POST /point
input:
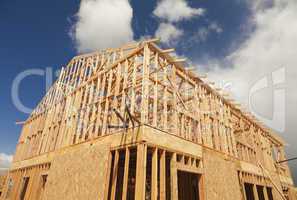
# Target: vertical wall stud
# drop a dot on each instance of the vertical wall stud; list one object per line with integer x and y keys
{"x": 115, "y": 175}
{"x": 163, "y": 175}
{"x": 141, "y": 172}
{"x": 154, "y": 188}
{"x": 126, "y": 174}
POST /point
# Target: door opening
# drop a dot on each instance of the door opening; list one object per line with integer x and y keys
{"x": 260, "y": 192}
{"x": 188, "y": 186}
{"x": 249, "y": 191}
{"x": 24, "y": 188}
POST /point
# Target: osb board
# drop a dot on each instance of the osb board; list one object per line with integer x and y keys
{"x": 2, "y": 181}
{"x": 78, "y": 174}
{"x": 277, "y": 187}
{"x": 44, "y": 158}
{"x": 221, "y": 178}
{"x": 121, "y": 138}
{"x": 251, "y": 168}
{"x": 76, "y": 159}
{"x": 117, "y": 139}
{"x": 293, "y": 193}
{"x": 2, "y": 185}
{"x": 286, "y": 180}
{"x": 166, "y": 140}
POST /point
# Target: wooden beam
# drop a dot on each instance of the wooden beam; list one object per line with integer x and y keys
{"x": 201, "y": 188}
{"x": 20, "y": 122}
{"x": 145, "y": 85}
{"x": 173, "y": 174}
{"x": 255, "y": 192}
{"x": 107, "y": 103}
{"x": 265, "y": 192}
{"x": 141, "y": 172}
{"x": 115, "y": 175}
{"x": 163, "y": 175}
{"x": 155, "y": 105}
{"x": 107, "y": 175}
{"x": 178, "y": 60}
{"x": 167, "y": 50}
{"x": 154, "y": 188}
{"x": 202, "y": 76}
{"x": 126, "y": 174}
{"x": 175, "y": 114}
{"x": 153, "y": 40}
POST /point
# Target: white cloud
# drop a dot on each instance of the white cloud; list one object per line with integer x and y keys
{"x": 214, "y": 26}
{"x": 270, "y": 49}
{"x": 176, "y": 10}
{"x": 172, "y": 12}
{"x": 168, "y": 32}
{"x": 102, "y": 24}
{"x": 201, "y": 35}
{"x": 5, "y": 160}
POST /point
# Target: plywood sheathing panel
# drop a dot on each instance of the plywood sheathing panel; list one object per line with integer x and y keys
{"x": 161, "y": 138}
{"x": 286, "y": 180}
{"x": 2, "y": 183}
{"x": 220, "y": 177}
{"x": 251, "y": 168}
{"x": 78, "y": 174}
{"x": 277, "y": 185}
{"x": 15, "y": 180}
{"x": 118, "y": 139}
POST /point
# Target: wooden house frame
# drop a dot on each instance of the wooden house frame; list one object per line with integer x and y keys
{"x": 137, "y": 123}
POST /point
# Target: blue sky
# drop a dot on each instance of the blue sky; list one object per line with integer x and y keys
{"x": 35, "y": 34}
{"x": 239, "y": 42}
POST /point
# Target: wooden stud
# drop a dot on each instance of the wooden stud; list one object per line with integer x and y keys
{"x": 108, "y": 180}
{"x": 173, "y": 174}
{"x": 255, "y": 192}
{"x": 145, "y": 85}
{"x": 163, "y": 175}
{"x": 126, "y": 174}
{"x": 155, "y": 106}
{"x": 154, "y": 181}
{"x": 115, "y": 175}
{"x": 106, "y": 111}
{"x": 141, "y": 172}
